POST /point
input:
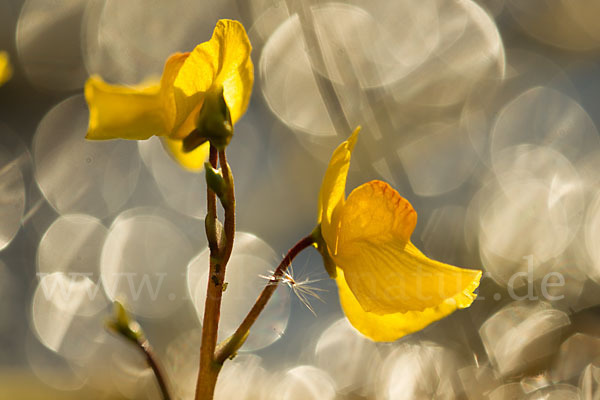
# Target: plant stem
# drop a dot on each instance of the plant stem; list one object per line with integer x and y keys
{"x": 123, "y": 325}
{"x": 211, "y": 357}
{"x": 237, "y": 339}
{"x": 151, "y": 359}
{"x": 220, "y": 253}
{"x": 209, "y": 370}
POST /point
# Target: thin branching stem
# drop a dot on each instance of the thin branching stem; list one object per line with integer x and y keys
{"x": 242, "y": 331}
{"x": 153, "y": 362}
{"x": 211, "y": 357}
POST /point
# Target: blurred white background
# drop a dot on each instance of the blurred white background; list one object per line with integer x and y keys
{"x": 483, "y": 114}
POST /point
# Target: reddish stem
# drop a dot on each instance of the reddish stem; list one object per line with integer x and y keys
{"x": 236, "y": 340}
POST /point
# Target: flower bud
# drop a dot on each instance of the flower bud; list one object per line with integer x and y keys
{"x": 123, "y": 325}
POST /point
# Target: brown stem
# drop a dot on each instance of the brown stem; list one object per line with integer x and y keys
{"x": 151, "y": 359}
{"x": 219, "y": 256}
{"x": 209, "y": 370}
{"x": 237, "y": 339}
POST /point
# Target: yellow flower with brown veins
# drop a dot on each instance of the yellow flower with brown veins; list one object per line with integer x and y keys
{"x": 216, "y": 77}
{"x": 5, "y": 68}
{"x": 387, "y": 287}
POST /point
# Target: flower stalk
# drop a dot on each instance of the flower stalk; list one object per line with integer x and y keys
{"x": 235, "y": 341}
{"x": 221, "y": 245}
{"x": 220, "y": 242}
{"x": 153, "y": 362}
{"x": 209, "y": 370}
{"x": 130, "y": 330}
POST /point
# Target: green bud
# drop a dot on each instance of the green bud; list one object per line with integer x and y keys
{"x": 123, "y": 325}
{"x": 214, "y": 180}
{"x": 213, "y": 123}
{"x": 324, "y": 251}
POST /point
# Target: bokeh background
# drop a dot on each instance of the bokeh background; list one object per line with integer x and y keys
{"x": 483, "y": 114}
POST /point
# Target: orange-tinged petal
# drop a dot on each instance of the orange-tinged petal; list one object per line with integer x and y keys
{"x": 193, "y": 160}
{"x": 384, "y": 270}
{"x": 390, "y": 327}
{"x": 124, "y": 112}
{"x": 333, "y": 189}
{"x": 223, "y": 61}
{"x": 375, "y": 210}
{"x": 5, "y": 68}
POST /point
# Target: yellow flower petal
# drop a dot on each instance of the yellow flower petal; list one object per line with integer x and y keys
{"x": 390, "y": 327}
{"x": 375, "y": 211}
{"x": 224, "y": 61}
{"x": 333, "y": 189}
{"x": 5, "y": 68}
{"x": 124, "y": 112}
{"x": 167, "y": 91}
{"x": 193, "y": 160}
{"x": 383, "y": 269}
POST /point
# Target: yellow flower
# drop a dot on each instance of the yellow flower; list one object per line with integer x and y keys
{"x": 5, "y": 68}
{"x": 170, "y": 108}
{"x": 387, "y": 287}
